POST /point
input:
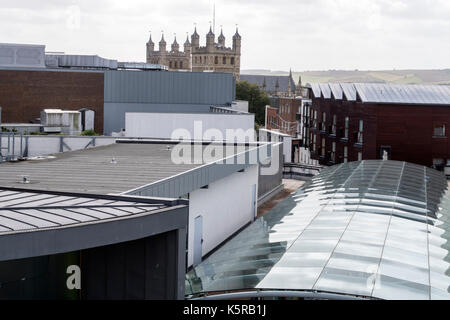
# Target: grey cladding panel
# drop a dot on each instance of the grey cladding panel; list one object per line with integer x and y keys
{"x": 168, "y": 87}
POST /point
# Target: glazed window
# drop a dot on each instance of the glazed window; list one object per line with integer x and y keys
{"x": 439, "y": 130}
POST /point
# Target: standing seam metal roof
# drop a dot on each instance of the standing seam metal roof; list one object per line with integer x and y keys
{"x": 385, "y": 93}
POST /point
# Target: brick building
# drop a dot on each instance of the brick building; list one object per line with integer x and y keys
{"x": 282, "y": 115}
{"x": 351, "y": 122}
{"x": 25, "y": 93}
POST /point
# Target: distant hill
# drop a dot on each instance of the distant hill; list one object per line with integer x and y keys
{"x": 388, "y": 76}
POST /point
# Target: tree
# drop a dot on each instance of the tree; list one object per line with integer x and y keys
{"x": 257, "y": 100}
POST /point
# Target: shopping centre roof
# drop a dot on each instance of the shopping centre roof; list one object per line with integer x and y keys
{"x": 371, "y": 229}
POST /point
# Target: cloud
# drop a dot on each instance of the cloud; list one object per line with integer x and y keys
{"x": 304, "y": 35}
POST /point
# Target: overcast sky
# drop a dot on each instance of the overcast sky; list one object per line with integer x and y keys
{"x": 276, "y": 34}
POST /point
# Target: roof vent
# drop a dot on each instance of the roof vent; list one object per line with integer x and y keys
{"x": 24, "y": 179}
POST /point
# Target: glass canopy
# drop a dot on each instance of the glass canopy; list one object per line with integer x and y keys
{"x": 375, "y": 229}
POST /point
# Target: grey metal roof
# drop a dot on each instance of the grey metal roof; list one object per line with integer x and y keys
{"x": 377, "y": 229}
{"x": 325, "y": 89}
{"x": 145, "y": 169}
{"x": 317, "y": 92}
{"x": 386, "y": 93}
{"x": 271, "y": 81}
{"x": 337, "y": 91}
{"x": 35, "y": 223}
{"x": 27, "y": 211}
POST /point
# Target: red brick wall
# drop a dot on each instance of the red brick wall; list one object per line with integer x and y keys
{"x": 23, "y": 94}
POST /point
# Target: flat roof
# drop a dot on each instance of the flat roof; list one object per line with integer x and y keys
{"x": 112, "y": 169}
{"x": 371, "y": 229}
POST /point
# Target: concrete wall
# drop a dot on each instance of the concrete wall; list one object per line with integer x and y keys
{"x": 45, "y": 145}
{"x": 163, "y": 125}
{"x": 226, "y": 207}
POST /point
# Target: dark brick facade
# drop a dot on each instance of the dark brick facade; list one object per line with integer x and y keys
{"x": 24, "y": 94}
{"x": 405, "y": 131}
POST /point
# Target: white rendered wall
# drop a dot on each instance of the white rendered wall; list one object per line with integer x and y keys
{"x": 240, "y": 105}
{"x": 162, "y": 125}
{"x": 278, "y": 137}
{"x": 226, "y": 206}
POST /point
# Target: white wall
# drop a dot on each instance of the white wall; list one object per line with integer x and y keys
{"x": 278, "y": 137}
{"x": 162, "y": 125}
{"x": 226, "y": 206}
{"x": 240, "y": 105}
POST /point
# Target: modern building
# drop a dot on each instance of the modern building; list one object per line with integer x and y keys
{"x": 220, "y": 124}
{"x": 361, "y": 230}
{"x": 64, "y": 245}
{"x": 221, "y": 182}
{"x": 356, "y": 121}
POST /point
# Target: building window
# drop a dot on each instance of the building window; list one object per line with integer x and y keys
{"x": 176, "y": 64}
{"x": 333, "y": 127}
{"x": 232, "y": 60}
{"x": 224, "y": 60}
{"x": 360, "y": 156}
{"x": 216, "y": 60}
{"x": 323, "y": 125}
{"x": 315, "y": 120}
{"x": 347, "y": 122}
{"x": 170, "y": 64}
{"x": 345, "y": 154}
{"x": 314, "y": 143}
{"x": 181, "y": 64}
{"x": 439, "y": 130}
{"x": 333, "y": 152}
{"x": 322, "y": 149}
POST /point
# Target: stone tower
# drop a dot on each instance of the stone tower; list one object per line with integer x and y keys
{"x": 216, "y": 57}
{"x": 174, "y": 59}
{"x": 213, "y": 57}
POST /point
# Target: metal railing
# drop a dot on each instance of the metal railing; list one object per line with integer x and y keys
{"x": 8, "y": 150}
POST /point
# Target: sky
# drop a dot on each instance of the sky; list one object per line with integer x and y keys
{"x": 304, "y": 35}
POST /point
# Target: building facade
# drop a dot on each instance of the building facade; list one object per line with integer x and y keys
{"x": 352, "y": 122}
{"x": 213, "y": 57}
{"x": 216, "y": 57}
{"x": 174, "y": 59}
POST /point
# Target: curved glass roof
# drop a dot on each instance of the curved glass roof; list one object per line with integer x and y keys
{"x": 375, "y": 229}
